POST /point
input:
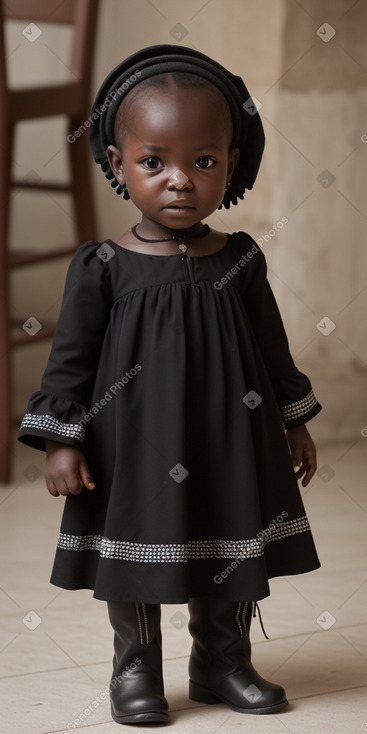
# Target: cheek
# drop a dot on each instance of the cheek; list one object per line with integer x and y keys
{"x": 214, "y": 183}
{"x": 134, "y": 175}
{"x": 143, "y": 190}
{"x": 146, "y": 185}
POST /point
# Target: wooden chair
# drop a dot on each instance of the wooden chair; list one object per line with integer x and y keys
{"x": 72, "y": 99}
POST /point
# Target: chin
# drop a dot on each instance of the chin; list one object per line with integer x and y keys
{"x": 179, "y": 221}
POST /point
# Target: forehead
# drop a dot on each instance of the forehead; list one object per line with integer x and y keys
{"x": 176, "y": 111}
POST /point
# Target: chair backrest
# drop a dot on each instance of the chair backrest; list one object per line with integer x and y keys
{"x": 51, "y": 11}
{"x": 81, "y": 14}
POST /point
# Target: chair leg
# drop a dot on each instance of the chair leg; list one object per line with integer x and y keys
{"x": 5, "y": 385}
{"x": 80, "y": 165}
{"x": 5, "y": 346}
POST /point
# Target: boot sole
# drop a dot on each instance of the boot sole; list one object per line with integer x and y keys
{"x": 137, "y": 718}
{"x": 205, "y": 695}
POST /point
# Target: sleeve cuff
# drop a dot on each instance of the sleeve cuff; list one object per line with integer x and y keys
{"x": 301, "y": 411}
{"x": 53, "y": 418}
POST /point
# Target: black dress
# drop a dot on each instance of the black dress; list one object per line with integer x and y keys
{"x": 172, "y": 374}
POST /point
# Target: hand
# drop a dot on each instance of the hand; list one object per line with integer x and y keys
{"x": 66, "y": 470}
{"x": 303, "y": 453}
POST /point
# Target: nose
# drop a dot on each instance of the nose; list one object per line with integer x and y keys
{"x": 178, "y": 180}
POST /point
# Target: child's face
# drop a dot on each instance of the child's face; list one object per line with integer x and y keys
{"x": 175, "y": 148}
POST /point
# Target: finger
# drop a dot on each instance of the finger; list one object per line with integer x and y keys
{"x": 296, "y": 454}
{"x": 77, "y": 490}
{"x": 86, "y": 476}
{"x": 310, "y": 471}
{"x": 63, "y": 488}
{"x": 311, "y": 462}
{"x": 300, "y": 471}
{"x": 51, "y": 486}
{"x": 298, "y": 465}
{"x": 75, "y": 484}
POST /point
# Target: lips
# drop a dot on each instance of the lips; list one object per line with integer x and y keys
{"x": 178, "y": 205}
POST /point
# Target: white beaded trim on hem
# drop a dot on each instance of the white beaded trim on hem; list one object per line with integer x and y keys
{"x": 182, "y": 552}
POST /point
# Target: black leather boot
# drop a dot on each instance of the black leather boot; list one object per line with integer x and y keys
{"x": 136, "y": 688}
{"x": 220, "y": 666}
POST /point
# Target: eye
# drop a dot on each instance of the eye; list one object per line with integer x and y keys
{"x": 152, "y": 162}
{"x": 205, "y": 161}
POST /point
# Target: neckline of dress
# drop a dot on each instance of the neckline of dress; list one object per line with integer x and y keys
{"x": 176, "y": 254}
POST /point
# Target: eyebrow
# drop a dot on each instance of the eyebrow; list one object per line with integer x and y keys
{"x": 152, "y": 147}
{"x": 161, "y": 148}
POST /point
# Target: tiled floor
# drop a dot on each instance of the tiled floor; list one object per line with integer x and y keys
{"x": 56, "y": 646}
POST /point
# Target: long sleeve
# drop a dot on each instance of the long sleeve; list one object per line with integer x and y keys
{"x": 292, "y": 388}
{"x": 56, "y": 411}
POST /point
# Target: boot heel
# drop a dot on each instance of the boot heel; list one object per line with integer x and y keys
{"x": 201, "y": 694}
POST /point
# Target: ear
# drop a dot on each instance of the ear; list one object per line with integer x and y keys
{"x": 232, "y": 161}
{"x": 115, "y": 161}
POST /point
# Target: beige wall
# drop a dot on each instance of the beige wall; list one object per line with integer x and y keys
{"x": 320, "y": 262}
{"x": 314, "y": 113}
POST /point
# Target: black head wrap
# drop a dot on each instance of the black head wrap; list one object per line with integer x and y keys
{"x": 248, "y": 133}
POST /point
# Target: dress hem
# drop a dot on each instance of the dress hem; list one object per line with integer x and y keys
{"x": 183, "y": 599}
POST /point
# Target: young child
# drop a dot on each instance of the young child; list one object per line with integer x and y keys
{"x": 171, "y": 410}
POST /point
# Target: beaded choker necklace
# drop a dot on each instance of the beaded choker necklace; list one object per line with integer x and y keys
{"x": 180, "y": 239}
